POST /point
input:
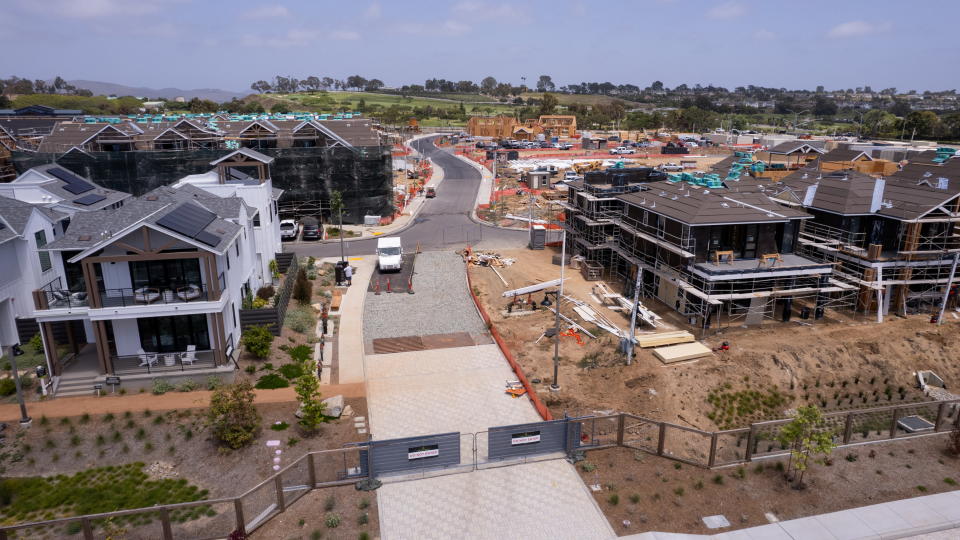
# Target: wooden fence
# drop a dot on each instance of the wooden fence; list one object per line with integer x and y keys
{"x": 272, "y": 317}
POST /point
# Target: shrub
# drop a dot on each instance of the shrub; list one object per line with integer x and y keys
{"x": 300, "y": 353}
{"x": 302, "y": 288}
{"x": 950, "y": 481}
{"x": 279, "y": 426}
{"x": 7, "y": 387}
{"x": 613, "y": 499}
{"x": 364, "y": 503}
{"x": 266, "y": 293}
{"x": 635, "y": 498}
{"x": 188, "y": 385}
{"x": 214, "y": 382}
{"x": 251, "y": 369}
{"x": 330, "y": 503}
{"x": 271, "y": 381}
{"x": 332, "y": 521}
{"x": 232, "y": 417}
{"x": 300, "y": 319}
{"x": 36, "y": 344}
{"x": 291, "y": 371}
{"x": 586, "y": 466}
{"x": 257, "y": 340}
{"x": 363, "y": 519}
{"x": 718, "y": 479}
{"x": 161, "y": 386}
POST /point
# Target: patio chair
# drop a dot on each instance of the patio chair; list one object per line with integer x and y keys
{"x": 190, "y": 356}
{"x": 190, "y": 292}
{"x": 146, "y": 295}
{"x": 147, "y": 359}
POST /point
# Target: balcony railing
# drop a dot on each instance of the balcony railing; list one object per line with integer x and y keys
{"x": 162, "y": 362}
{"x": 149, "y": 295}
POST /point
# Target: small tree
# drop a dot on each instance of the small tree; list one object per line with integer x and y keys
{"x": 806, "y": 436}
{"x": 274, "y": 269}
{"x": 308, "y": 392}
{"x": 232, "y": 416}
{"x": 303, "y": 288}
{"x": 257, "y": 340}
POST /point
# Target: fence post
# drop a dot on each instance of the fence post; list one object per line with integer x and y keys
{"x": 713, "y": 450}
{"x": 893, "y": 422}
{"x": 620, "y": 423}
{"x": 662, "y": 438}
{"x": 165, "y": 523}
{"x": 278, "y": 483}
{"x": 311, "y": 471}
{"x": 848, "y": 428}
{"x": 941, "y": 412}
{"x": 238, "y": 510}
{"x": 748, "y": 455}
{"x": 87, "y": 529}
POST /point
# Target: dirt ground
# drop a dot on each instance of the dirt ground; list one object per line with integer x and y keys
{"x": 177, "y": 441}
{"x": 643, "y": 492}
{"x": 838, "y": 363}
{"x": 306, "y": 519}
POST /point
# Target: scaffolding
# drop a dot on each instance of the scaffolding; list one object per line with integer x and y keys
{"x": 603, "y": 234}
{"x": 913, "y": 277}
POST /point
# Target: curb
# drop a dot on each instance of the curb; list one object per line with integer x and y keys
{"x": 473, "y": 213}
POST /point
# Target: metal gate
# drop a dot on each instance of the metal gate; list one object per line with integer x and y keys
{"x": 521, "y": 440}
{"x": 411, "y": 453}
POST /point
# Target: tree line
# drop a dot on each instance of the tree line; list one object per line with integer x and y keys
{"x": 290, "y": 84}
{"x": 21, "y": 86}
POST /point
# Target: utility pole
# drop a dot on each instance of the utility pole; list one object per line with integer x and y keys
{"x": 25, "y": 420}
{"x": 946, "y": 291}
{"x": 633, "y": 315}
{"x": 555, "y": 386}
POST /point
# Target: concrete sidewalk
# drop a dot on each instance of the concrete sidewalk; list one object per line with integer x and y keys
{"x": 350, "y": 331}
{"x": 907, "y": 518}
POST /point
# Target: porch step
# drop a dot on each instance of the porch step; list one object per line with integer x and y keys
{"x": 283, "y": 261}
{"x": 79, "y": 386}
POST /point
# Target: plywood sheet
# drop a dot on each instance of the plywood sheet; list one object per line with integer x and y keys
{"x": 663, "y": 339}
{"x": 679, "y": 353}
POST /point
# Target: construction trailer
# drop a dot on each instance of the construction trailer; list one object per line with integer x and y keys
{"x": 896, "y": 238}
{"x": 717, "y": 256}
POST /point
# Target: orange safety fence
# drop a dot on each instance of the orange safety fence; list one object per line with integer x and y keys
{"x": 534, "y": 399}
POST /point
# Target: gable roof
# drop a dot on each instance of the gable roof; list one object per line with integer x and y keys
{"x": 805, "y": 146}
{"x": 56, "y": 187}
{"x": 248, "y": 152}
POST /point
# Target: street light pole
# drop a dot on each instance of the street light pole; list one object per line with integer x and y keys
{"x": 556, "y": 322}
{"x": 25, "y": 420}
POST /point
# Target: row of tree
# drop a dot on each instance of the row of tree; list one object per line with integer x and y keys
{"x": 18, "y": 85}
{"x": 290, "y": 85}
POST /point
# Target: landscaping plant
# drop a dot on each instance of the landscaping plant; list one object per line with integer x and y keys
{"x": 806, "y": 435}
{"x": 308, "y": 393}
{"x": 232, "y": 417}
{"x": 257, "y": 340}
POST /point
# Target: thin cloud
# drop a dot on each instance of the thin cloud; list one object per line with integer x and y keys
{"x": 454, "y": 28}
{"x": 727, "y": 10}
{"x": 95, "y": 9}
{"x": 274, "y": 11}
{"x": 763, "y": 33}
{"x": 345, "y": 35}
{"x": 858, "y": 29}
{"x": 373, "y": 11}
{"x": 487, "y": 10}
{"x": 295, "y": 37}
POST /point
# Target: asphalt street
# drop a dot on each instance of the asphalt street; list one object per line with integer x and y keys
{"x": 443, "y": 223}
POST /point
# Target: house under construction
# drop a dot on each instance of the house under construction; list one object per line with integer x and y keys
{"x": 896, "y": 238}
{"x": 719, "y": 253}
{"x": 313, "y": 157}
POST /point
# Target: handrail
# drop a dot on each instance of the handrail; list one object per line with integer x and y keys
{"x": 204, "y": 362}
{"x": 150, "y": 294}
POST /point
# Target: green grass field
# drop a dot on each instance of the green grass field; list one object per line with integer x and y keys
{"x": 329, "y": 101}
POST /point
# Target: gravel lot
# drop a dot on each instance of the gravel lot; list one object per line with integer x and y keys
{"x": 441, "y": 305}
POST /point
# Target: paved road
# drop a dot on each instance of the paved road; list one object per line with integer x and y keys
{"x": 444, "y": 221}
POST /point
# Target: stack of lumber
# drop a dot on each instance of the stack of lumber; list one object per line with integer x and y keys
{"x": 680, "y": 353}
{"x": 661, "y": 339}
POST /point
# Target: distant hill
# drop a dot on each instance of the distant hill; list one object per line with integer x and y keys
{"x": 106, "y": 89}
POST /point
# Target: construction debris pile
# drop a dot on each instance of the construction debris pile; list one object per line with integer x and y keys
{"x": 487, "y": 258}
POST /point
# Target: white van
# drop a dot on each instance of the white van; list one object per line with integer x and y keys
{"x": 389, "y": 254}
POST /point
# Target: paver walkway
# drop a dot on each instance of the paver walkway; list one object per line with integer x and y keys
{"x": 461, "y": 389}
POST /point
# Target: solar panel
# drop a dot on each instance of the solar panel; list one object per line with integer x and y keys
{"x": 187, "y": 219}
{"x": 74, "y": 184}
{"x": 209, "y": 239}
{"x": 87, "y": 200}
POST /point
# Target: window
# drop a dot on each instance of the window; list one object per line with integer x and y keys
{"x": 256, "y": 219}
{"x": 165, "y": 274}
{"x": 238, "y": 248}
{"x": 228, "y": 260}
{"x": 173, "y": 334}
{"x": 41, "y": 238}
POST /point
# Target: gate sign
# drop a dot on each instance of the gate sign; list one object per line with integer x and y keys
{"x": 526, "y": 437}
{"x": 421, "y": 452}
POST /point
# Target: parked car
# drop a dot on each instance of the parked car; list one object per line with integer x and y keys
{"x": 311, "y": 229}
{"x": 288, "y": 229}
{"x": 671, "y": 167}
{"x": 546, "y": 144}
{"x": 562, "y": 146}
{"x": 620, "y": 150}
{"x": 431, "y": 192}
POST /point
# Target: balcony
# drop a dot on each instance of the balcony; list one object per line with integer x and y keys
{"x": 52, "y": 296}
{"x": 163, "y": 363}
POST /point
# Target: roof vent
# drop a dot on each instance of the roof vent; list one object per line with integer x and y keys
{"x": 819, "y": 177}
{"x": 151, "y": 197}
{"x": 943, "y": 183}
{"x": 84, "y": 238}
{"x": 673, "y": 198}
{"x": 769, "y": 214}
{"x": 927, "y": 174}
{"x": 221, "y": 231}
{"x": 663, "y": 193}
{"x": 725, "y": 205}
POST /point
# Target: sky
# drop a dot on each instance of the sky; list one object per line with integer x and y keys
{"x": 228, "y": 44}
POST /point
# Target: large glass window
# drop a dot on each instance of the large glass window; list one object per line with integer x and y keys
{"x": 168, "y": 274}
{"x": 173, "y": 334}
